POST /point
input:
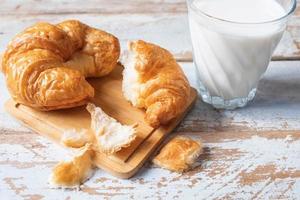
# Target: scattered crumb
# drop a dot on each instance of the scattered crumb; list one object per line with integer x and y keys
{"x": 110, "y": 135}
{"x": 75, "y": 139}
{"x": 179, "y": 154}
{"x": 70, "y": 174}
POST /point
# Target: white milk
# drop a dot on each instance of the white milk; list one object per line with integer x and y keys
{"x": 231, "y": 57}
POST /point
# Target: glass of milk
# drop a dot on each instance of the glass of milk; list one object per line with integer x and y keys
{"x": 233, "y": 41}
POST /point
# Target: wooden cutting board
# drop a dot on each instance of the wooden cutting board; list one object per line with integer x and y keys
{"x": 108, "y": 95}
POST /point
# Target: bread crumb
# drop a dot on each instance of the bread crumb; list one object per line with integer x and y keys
{"x": 179, "y": 154}
{"x": 110, "y": 135}
{"x": 70, "y": 174}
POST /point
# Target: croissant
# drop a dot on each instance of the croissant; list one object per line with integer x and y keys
{"x": 153, "y": 80}
{"x": 46, "y": 65}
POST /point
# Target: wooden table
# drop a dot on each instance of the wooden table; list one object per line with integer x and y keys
{"x": 250, "y": 153}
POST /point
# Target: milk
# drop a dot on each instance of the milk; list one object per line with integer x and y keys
{"x": 243, "y": 11}
{"x": 232, "y": 46}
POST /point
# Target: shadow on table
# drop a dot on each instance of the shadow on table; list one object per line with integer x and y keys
{"x": 277, "y": 101}
{"x": 272, "y": 92}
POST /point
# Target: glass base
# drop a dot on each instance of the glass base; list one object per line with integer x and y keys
{"x": 220, "y": 103}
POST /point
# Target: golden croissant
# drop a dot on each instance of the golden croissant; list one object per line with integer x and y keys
{"x": 46, "y": 65}
{"x": 153, "y": 80}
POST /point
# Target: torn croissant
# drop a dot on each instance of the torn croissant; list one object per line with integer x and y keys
{"x": 110, "y": 135}
{"x": 179, "y": 154}
{"x": 152, "y": 79}
{"x": 73, "y": 173}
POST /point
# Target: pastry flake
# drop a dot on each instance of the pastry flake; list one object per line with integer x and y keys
{"x": 152, "y": 79}
{"x": 179, "y": 154}
{"x": 110, "y": 135}
{"x": 68, "y": 174}
{"x": 75, "y": 139}
{"x": 46, "y": 65}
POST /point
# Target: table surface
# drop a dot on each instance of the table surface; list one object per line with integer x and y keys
{"x": 250, "y": 153}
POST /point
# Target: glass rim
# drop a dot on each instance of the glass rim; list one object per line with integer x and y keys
{"x": 198, "y": 11}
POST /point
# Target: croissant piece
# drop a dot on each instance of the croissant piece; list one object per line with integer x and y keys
{"x": 75, "y": 138}
{"x": 69, "y": 174}
{"x": 46, "y": 65}
{"x": 179, "y": 154}
{"x": 111, "y": 136}
{"x": 152, "y": 79}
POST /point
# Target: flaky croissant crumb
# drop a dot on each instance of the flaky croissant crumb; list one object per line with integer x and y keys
{"x": 75, "y": 139}
{"x": 110, "y": 135}
{"x": 179, "y": 154}
{"x": 69, "y": 174}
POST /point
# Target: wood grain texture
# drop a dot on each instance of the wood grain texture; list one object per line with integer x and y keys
{"x": 250, "y": 153}
{"x": 108, "y": 95}
{"x": 91, "y": 6}
{"x": 275, "y": 107}
{"x": 150, "y": 27}
{"x": 21, "y": 7}
{"x": 235, "y": 165}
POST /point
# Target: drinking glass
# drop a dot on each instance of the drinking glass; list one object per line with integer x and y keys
{"x": 230, "y": 57}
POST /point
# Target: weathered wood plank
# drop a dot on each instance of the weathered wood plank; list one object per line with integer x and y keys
{"x": 243, "y": 160}
{"x": 168, "y": 30}
{"x": 276, "y": 106}
{"x": 17, "y": 7}
{"x": 125, "y": 27}
{"x": 90, "y": 6}
{"x": 264, "y": 165}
